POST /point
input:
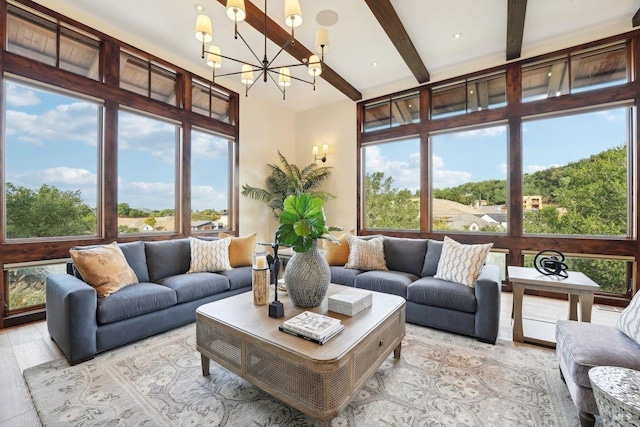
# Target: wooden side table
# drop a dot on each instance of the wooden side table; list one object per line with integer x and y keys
{"x": 617, "y": 393}
{"x": 578, "y": 286}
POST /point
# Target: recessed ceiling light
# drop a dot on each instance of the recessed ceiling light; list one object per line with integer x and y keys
{"x": 457, "y": 36}
{"x": 374, "y": 64}
{"x": 199, "y": 7}
{"x": 327, "y": 18}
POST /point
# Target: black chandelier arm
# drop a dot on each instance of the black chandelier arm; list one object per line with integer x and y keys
{"x": 259, "y": 67}
{"x": 249, "y": 47}
{"x": 276, "y": 71}
{"x": 300, "y": 64}
{"x": 235, "y": 73}
{"x": 284, "y": 46}
{"x": 277, "y": 85}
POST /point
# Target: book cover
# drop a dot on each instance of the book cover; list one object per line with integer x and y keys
{"x": 317, "y": 341}
{"x": 312, "y": 325}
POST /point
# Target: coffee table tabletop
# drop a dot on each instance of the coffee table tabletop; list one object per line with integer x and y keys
{"x": 319, "y": 380}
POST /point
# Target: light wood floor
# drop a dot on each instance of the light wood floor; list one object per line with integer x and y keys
{"x": 26, "y": 346}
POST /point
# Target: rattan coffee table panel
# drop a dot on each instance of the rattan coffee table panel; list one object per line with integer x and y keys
{"x": 219, "y": 341}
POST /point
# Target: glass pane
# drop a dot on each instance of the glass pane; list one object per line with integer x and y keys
{"x": 377, "y": 116}
{"x": 220, "y": 107}
{"x": 499, "y": 259}
{"x": 163, "y": 85}
{"x": 210, "y": 196}
{"x": 26, "y": 285}
{"x": 392, "y": 185}
{"x": 200, "y": 99}
{"x": 31, "y": 36}
{"x": 405, "y": 110}
{"x": 598, "y": 69}
{"x": 134, "y": 74}
{"x": 468, "y": 172}
{"x": 79, "y": 54}
{"x": 448, "y": 101}
{"x": 51, "y": 158}
{"x": 146, "y": 174}
{"x": 546, "y": 80}
{"x": 575, "y": 174}
{"x": 487, "y": 92}
{"x": 610, "y": 274}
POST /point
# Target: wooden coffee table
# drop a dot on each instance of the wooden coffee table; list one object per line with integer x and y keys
{"x": 319, "y": 380}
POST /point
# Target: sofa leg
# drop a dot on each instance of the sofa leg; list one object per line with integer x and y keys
{"x": 587, "y": 419}
{"x": 487, "y": 341}
{"x": 562, "y": 376}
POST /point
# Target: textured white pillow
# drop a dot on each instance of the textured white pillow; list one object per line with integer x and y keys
{"x": 366, "y": 254}
{"x": 461, "y": 263}
{"x": 629, "y": 320}
{"x": 209, "y": 255}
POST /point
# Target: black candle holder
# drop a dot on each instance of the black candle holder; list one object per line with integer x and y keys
{"x": 276, "y": 308}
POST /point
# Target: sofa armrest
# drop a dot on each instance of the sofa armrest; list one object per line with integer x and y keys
{"x": 71, "y": 316}
{"x": 488, "y": 288}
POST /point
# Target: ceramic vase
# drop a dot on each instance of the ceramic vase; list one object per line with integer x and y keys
{"x": 307, "y": 277}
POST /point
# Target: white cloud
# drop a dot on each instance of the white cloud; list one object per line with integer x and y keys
{"x": 406, "y": 174}
{"x": 147, "y": 195}
{"x": 19, "y": 96}
{"x": 437, "y": 162}
{"x": 206, "y": 197}
{"x": 502, "y": 167}
{"x": 205, "y": 146}
{"x": 139, "y": 133}
{"x": 482, "y": 133}
{"x": 447, "y": 178}
{"x": 612, "y": 117}
{"x": 61, "y": 177}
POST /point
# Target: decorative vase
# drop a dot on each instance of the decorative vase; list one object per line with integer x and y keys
{"x": 307, "y": 277}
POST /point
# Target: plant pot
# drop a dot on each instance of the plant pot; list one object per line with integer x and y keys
{"x": 307, "y": 277}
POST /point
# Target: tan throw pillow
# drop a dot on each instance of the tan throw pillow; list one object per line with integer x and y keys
{"x": 209, "y": 255}
{"x": 337, "y": 254}
{"x": 241, "y": 249}
{"x": 104, "y": 268}
{"x": 366, "y": 254}
{"x": 461, "y": 263}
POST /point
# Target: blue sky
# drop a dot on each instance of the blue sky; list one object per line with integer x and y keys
{"x": 53, "y": 139}
{"x": 481, "y": 154}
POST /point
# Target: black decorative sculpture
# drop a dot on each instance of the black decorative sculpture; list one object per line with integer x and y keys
{"x": 276, "y": 309}
{"x": 551, "y": 263}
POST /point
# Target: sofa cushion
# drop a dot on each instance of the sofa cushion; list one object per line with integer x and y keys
{"x": 136, "y": 258}
{"x": 629, "y": 320}
{"x": 209, "y": 256}
{"x": 104, "y": 268}
{"x": 389, "y": 282}
{"x": 366, "y": 254}
{"x": 461, "y": 263}
{"x": 405, "y": 254}
{"x": 239, "y": 277}
{"x": 431, "y": 259}
{"x": 344, "y": 276}
{"x": 337, "y": 253}
{"x": 442, "y": 293}
{"x": 167, "y": 258}
{"x": 193, "y": 286}
{"x": 133, "y": 301}
{"x": 241, "y": 249}
{"x": 584, "y": 345}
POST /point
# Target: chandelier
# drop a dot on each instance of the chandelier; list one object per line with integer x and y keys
{"x": 293, "y": 18}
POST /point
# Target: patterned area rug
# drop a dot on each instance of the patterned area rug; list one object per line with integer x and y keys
{"x": 441, "y": 380}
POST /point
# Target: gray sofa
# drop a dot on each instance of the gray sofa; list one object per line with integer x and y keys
{"x": 412, "y": 263}
{"x": 579, "y": 347}
{"x": 166, "y": 297}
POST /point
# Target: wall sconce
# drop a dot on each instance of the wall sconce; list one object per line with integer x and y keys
{"x": 325, "y": 150}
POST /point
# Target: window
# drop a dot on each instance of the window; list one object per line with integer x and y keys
{"x": 477, "y": 94}
{"x": 575, "y": 174}
{"x": 146, "y": 78}
{"x": 210, "y": 102}
{"x": 392, "y": 185}
{"x": 50, "y": 167}
{"x": 36, "y": 37}
{"x": 392, "y": 112}
{"x": 26, "y": 285}
{"x": 210, "y": 190}
{"x": 468, "y": 176}
{"x": 146, "y": 195}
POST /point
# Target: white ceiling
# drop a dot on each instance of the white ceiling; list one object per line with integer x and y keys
{"x": 165, "y": 28}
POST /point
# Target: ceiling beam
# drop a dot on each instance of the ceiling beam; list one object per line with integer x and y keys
{"x": 636, "y": 19}
{"x": 279, "y": 36}
{"x": 516, "y": 10}
{"x": 388, "y": 18}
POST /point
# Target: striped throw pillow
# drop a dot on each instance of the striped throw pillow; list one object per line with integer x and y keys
{"x": 461, "y": 263}
{"x": 629, "y": 320}
{"x": 209, "y": 255}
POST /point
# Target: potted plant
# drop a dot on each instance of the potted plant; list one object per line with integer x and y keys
{"x": 302, "y": 223}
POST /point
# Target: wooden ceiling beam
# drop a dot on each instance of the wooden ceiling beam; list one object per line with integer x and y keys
{"x": 279, "y": 36}
{"x": 516, "y": 11}
{"x": 388, "y": 18}
{"x": 635, "y": 21}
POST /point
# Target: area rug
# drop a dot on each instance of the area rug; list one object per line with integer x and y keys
{"x": 441, "y": 380}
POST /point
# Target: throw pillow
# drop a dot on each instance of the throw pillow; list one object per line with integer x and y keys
{"x": 337, "y": 254}
{"x": 366, "y": 254}
{"x": 209, "y": 255}
{"x": 461, "y": 263}
{"x": 629, "y": 320}
{"x": 241, "y": 249}
{"x": 104, "y": 268}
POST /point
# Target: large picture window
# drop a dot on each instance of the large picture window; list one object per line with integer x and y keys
{"x": 392, "y": 185}
{"x": 146, "y": 195}
{"x": 576, "y": 174}
{"x": 469, "y": 180}
{"x": 50, "y": 164}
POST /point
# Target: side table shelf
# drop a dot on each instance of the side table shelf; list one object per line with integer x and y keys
{"x": 617, "y": 393}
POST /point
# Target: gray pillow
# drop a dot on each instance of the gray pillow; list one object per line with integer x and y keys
{"x": 167, "y": 258}
{"x": 405, "y": 254}
{"x": 434, "y": 250}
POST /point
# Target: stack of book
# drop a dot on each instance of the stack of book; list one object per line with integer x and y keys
{"x": 312, "y": 327}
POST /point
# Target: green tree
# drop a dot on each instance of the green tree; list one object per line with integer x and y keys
{"x": 47, "y": 212}
{"x": 123, "y": 210}
{"x": 150, "y": 221}
{"x": 387, "y": 207}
